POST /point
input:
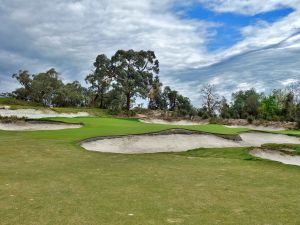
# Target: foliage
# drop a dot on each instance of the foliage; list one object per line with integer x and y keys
{"x": 133, "y": 73}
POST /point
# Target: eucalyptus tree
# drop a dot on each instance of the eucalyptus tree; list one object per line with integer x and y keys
{"x": 100, "y": 78}
{"x": 133, "y": 73}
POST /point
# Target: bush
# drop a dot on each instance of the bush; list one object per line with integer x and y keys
{"x": 250, "y": 119}
{"x": 215, "y": 120}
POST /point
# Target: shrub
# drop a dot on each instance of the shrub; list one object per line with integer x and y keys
{"x": 250, "y": 119}
{"x": 215, "y": 120}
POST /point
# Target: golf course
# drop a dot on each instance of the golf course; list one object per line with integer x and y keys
{"x": 48, "y": 178}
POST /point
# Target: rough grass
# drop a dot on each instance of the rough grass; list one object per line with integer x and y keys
{"x": 46, "y": 178}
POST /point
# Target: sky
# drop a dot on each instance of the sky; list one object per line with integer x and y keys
{"x": 233, "y": 44}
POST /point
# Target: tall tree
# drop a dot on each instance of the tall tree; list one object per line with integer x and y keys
{"x": 210, "y": 99}
{"x": 133, "y": 72}
{"x": 100, "y": 78}
{"x": 45, "y": 86}
{"x": 25, "y": 80}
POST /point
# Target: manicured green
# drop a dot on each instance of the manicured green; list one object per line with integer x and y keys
{"x": 47, "y": 178}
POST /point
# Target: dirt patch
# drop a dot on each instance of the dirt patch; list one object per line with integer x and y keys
{"x": 36, "y": 125}
{"x": 35, "y": 114}
{"x": 173, "y": 122}
{"x": 276, "y": 156}
{"x": 177, "y": 140}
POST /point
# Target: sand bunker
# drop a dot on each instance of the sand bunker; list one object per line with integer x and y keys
{"x": 157, "y": 143}
{"x": 259, "y": 138}
{"x": 276, "y": 156}
{"x": 177, "y": 142}
{"x": 36, "y": 125}
{"x": 174, "y": 122}
{"x": 253, "y": 127}
{"x": 35, "y": 114}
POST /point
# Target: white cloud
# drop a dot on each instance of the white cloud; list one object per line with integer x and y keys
{"x": 287, "y": 81}
{"x": 248, "y": 7}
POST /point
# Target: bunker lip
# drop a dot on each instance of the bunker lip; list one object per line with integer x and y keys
{"x": 35, "y": 125}
{"x": 284, "y": 157}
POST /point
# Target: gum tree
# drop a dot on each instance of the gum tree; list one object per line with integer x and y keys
{"x": 133, "y": 73}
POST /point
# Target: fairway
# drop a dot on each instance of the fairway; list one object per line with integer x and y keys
{"x": 47, "y": 178}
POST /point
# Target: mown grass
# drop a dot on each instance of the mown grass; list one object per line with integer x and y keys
{"x": 47, "y": 178}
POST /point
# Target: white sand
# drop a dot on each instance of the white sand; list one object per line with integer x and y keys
{"x": 35, "y": 114}
{"x": 258, "y": 139}
{"x": 253, "y": 127}
{"x": 179, "y": 122}
{"x": 276, "y": 156}
{"x": 28, "y": 126}
{"x": 158, "y": 143}
{"x": 181, "y": 142}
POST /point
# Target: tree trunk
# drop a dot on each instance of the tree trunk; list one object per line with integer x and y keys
{"x": 128, "y": 101}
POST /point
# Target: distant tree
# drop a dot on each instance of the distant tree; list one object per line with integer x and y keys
{"x": 71, "y": 94}
{"x": 45, "y": 86}
{"x": 40, "y": 88}
{"x": 184, "y": 106}
{"x": 297, "y": 116}
{"x": 245, "y": 103}
{"x": 155, "y": 94}
{"x": 25, "y": 80}
{"x": 288, "y": 109}
{"x": 133, "y": 72}
{"x": 100, "y": 78}
{"x": 210, "y": 99}
{"x": 269, "y": 107}
{"x": 224, "y": 109}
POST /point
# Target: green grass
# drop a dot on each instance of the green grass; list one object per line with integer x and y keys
{"x": 47, "y": 178}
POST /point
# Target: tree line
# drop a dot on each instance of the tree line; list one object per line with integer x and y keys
{"x": 115, "y": 83}
{"x": 279, "y": 105}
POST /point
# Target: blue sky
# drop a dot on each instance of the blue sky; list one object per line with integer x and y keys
{"x": 233, "y": 44}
